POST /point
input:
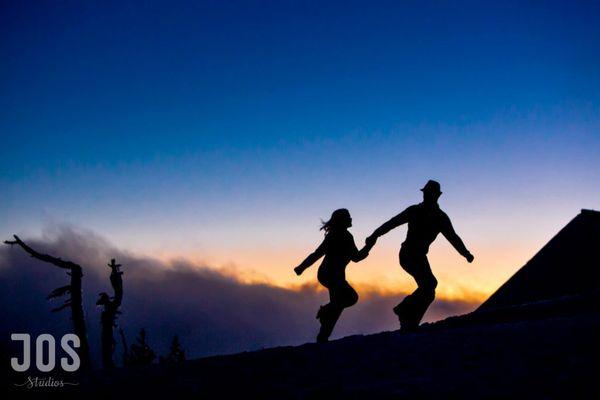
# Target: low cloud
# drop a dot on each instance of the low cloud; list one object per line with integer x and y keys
{"x": 213, "y": 313}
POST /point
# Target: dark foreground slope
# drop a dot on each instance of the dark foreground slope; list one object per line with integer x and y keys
{"x": 550, "y": 357}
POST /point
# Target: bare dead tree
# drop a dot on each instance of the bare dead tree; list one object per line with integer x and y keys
{"x": 125, "y": 348}
{"x": 109, "y": 314}
{"x": 73, "y": 289}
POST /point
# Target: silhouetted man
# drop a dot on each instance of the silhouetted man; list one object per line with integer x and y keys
{"x": 425, "y": 221}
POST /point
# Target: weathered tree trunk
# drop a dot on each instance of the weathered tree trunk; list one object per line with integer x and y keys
{"x": 109, "y": 314}
{"x": 125, "y": 348}
{"x": 78, "y": 316}
{"x": 74, "y": 301}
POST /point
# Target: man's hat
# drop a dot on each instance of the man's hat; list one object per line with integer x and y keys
{"x": 432, "y": 187}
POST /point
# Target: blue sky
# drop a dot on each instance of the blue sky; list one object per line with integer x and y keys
{"x": 217, "y": 130}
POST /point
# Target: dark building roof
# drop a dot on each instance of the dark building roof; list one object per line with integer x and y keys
{"x": 569, "y": 264}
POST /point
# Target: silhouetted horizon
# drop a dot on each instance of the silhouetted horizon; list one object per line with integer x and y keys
{"x": 217, "y": 317}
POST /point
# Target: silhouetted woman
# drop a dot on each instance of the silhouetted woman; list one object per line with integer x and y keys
{"x": 339, "y": 249}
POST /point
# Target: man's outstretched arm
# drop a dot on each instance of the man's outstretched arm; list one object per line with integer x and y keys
{"x": 395, "y": 222}
{"x": 456, "y": 241}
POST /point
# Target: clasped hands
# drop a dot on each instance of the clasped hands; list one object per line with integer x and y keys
{"x": 370, "y": 241}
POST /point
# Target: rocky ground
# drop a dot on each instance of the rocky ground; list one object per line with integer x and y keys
{"x": 545, "y": 351}
{"x": 553, "y": 357}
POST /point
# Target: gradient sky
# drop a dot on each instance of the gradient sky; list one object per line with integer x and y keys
{"x": 223, "y": 132}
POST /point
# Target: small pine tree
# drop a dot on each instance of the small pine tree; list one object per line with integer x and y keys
{"x": 141, "y": 353}
{"x": 176, "y": 353}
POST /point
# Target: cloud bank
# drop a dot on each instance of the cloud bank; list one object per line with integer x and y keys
{"x": 212, "y": 313}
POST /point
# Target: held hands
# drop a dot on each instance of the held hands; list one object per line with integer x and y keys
{"x": 370, "y": 241}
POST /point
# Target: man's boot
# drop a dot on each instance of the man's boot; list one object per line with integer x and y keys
{"x": 321, "y": 311}
{"x": 407, "y": 322}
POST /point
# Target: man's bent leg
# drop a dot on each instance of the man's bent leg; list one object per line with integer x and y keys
{"x": 411, "y": 310}
{"x": 425, "y": 293}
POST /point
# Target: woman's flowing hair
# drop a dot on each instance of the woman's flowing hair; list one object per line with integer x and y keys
{"x": 338, "y": 219}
